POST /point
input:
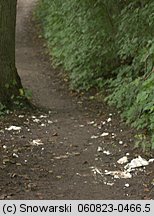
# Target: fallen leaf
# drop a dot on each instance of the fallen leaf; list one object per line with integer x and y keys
{"x": 91, "y": 123}
{"x": 32, "y": 186}
{"x": 21, "y": 116}
{"x": 104, "y": 134}
{"x": 61, "y": 157}
{"x": 106, "y": 152}
{"x": 36, "y": 142}
{"x": 146, "y": 190}
{"x": 7, "y": 160}
{"x": 55, "y": 134}
{"x": 15, "y": 128}
{"x": 43, "y": 116}
{"x": 36, "y": 120}
{"x": 119, "y": 174}
{"x": 18, "y": 164}
{"x": 13, "y": 175}
{"x": 109, "y": 183}
{"x": 151, "y": 160}
{"x": 94, "y": 137}
{"x": 135, "y": 163}
{"x": 15, "y": 155}
{"x": 99, "y": 149}
{"x": 109, "y": 120}
{"x": 58, "y": 177}
{"x": 122, "y": 160}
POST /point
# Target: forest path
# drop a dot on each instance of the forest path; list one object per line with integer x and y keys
{"x": 58, "y": 154}
{"x": 30, "y": 64}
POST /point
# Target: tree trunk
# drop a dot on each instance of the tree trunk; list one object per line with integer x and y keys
{"x": 9, "y": 80}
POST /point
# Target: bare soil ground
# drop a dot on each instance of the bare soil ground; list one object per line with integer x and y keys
{"x": 58, "y": 151}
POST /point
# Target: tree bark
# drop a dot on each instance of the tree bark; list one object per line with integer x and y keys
{"x": 10, "y": 82}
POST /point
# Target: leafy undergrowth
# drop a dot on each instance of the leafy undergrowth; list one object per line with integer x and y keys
{"x": 106, "y": 45}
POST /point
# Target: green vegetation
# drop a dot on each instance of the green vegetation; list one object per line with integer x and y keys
{"x": 17, "y": 102}
{"x": 106, "y": 45}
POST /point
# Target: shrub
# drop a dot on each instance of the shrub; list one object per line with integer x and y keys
{"x": 106, "y": 44}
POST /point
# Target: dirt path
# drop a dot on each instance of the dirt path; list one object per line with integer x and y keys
{"x": 58, "y": 154}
